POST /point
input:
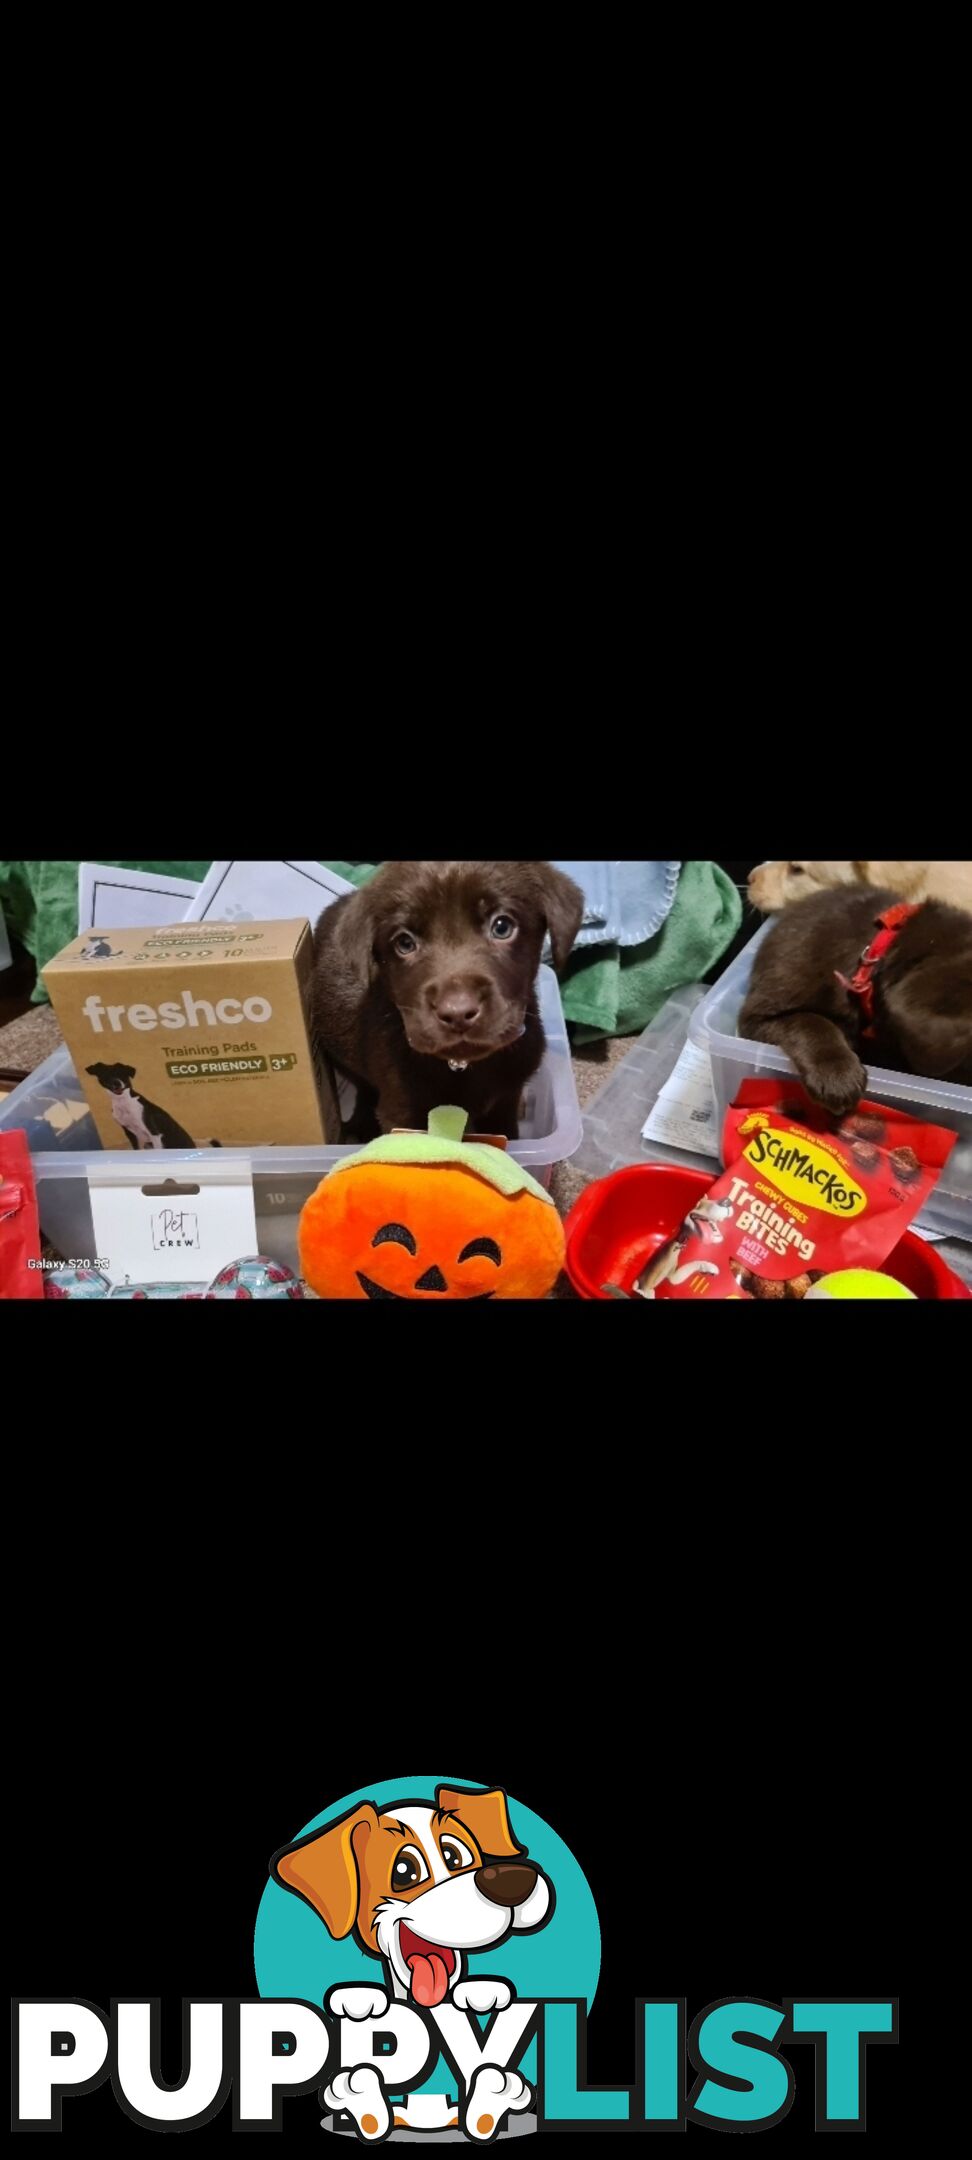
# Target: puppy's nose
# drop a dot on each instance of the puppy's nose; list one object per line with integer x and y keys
{"x": 507, "y": 1882}
{"x": 458, "y": 1009}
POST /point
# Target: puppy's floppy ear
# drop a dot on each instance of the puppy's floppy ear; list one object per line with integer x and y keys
{"x": 323, "y": 1868}
{"x": 484, "y": 1813}
{"x": 563, "y": 904}
{"x": 127, "y": 1071}
{"x": 354, "y": 939}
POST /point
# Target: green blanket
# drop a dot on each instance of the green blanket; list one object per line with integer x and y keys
{"x": 605, "y": 991}
{"x": 40, "y": 902}
{"x": 608, "y": 991}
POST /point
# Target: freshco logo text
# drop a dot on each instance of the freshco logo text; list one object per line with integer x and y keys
{"x": 191, "y": 1012}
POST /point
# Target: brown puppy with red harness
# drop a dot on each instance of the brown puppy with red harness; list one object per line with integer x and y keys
{"x": 860, "y": 972}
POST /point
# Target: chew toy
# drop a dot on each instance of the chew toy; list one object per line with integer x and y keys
{"x": 854, "y": 1283}
{"x": 427, "y": 1216}
{"x": 257, "y": 1278}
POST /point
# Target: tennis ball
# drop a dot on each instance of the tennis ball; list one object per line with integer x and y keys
{"x": 859, "y": 1283}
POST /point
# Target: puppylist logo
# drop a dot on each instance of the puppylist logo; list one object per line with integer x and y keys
{"x": 426, "y": 1955}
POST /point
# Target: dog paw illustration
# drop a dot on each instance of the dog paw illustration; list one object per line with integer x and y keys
{"x": 482, "y": 1995}
{"x": 238, "y": 914}
{"x": 361, "y": 2094}
{"x": 357, "y": 2003}
{"x": 493, "y": 2094}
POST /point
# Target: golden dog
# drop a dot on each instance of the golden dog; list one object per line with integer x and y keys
{"x": 775, "y": 884}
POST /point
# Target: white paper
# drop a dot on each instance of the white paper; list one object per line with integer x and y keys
{"x": 130, "y": 899}
{"x": 266, "y": 892}
{"x": 685, "y": 1114}
{"x": 171, "y": 1236}
{"x": 929, "y": 1237}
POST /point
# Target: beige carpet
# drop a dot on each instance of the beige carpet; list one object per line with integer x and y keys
{"x": 592, "y": 1068}
{"x": 25, "y": 1043}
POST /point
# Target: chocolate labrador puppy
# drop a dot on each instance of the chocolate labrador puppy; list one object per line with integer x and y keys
{"x": 425, "y": 987}
{"x": 922, "y": 994}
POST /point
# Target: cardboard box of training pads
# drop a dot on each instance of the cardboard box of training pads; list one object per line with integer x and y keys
{"x": 194, "y": 1036}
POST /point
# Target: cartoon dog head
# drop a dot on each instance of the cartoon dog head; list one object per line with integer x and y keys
{"x": 116, "y": 1078}
{"x": 706, "y": 1217}
{"x": 420, "y": 1885}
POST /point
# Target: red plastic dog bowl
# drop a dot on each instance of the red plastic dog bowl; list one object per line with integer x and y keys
{"x": 619, "y": 1223}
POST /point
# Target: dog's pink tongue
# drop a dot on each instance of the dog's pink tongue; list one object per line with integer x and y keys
{"x": 429, "y": 1980}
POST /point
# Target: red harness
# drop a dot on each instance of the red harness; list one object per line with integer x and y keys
{"x": 863, "y": 985}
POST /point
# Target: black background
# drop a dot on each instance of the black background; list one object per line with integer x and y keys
{"x": 720, "y": 1758}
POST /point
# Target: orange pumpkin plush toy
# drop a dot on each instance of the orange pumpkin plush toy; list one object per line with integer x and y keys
{"x": 420, "y": 1215}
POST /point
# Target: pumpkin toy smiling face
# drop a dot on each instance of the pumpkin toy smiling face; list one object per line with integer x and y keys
{"x": 427, "y": 1216}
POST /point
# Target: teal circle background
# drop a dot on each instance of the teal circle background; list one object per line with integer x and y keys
{"x": 293, "y": 1954}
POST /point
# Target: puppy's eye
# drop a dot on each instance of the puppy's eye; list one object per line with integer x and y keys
{"x": 455, "y": 1855}
{"x": 502, "y": 928}
{"x": 409, "y": 1869}
{"x": 404, "y": 943}
{"x": 798, "y": 869}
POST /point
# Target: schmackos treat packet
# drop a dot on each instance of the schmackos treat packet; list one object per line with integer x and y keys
{"x": 800, "y": 1199}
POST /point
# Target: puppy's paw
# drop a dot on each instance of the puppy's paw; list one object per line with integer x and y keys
{"x": 357, "y": 2003}
{"x": 838, "y": 1084}
{"x": 493, "y": 2094}
{"x": 361, "y": 2095}
{"x": 482, "y": 1995}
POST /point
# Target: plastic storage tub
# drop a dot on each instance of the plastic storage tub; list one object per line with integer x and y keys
{"x": 283, "y": 1178}
{"x": 935, "y": 1102}
{"x": 614, "y": 1120}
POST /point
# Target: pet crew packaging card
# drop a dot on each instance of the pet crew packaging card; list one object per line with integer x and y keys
{"x": 265, "y": 892}
{"x": 110, "y": 899}
{"x": 150, "y": 1228}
